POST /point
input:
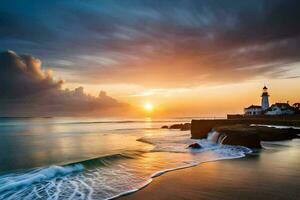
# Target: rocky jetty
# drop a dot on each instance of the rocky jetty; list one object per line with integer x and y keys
{"x": 200, "y": 128}
{"x": 175, "y": 126}
{"x": 182, "y": 127}
{"x": 237, "y": 135}
{"x": 186, "y": 127}
{"x": 251, "y": 136}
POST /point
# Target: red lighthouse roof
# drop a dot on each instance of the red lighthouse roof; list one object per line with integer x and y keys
{"x": 265, "y": 88}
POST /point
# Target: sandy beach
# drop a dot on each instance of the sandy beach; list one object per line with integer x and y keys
{"x": 273, "y": 173}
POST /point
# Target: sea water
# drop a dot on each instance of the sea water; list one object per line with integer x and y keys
{"x": 88, "y": 158}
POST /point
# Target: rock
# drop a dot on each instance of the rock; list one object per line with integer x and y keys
{"x": 195, "y": 146}
{"x": 251, "y": 136}
{"x": 186, "y": 127}
{"x": 247, "y": 140}
{"x": 264, "y": 133}
{"x": 200, "y": 128}
{"x": 176, "y": 126}
{"x": 164, "y": 126}
{"x": 276, "y": 134}
{"x": 241, "y": 135}
{"x": 182, "y": 127}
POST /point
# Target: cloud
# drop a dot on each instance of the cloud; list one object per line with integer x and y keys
{"x": 27, "y": 90}
{"x": 22, "y": 75}
{"x": 177, "y": 43}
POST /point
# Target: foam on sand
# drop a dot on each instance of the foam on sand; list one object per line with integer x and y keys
{"x": 112, "y": 176}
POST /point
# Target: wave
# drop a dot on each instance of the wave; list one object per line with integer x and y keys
{"x": 125, "y": 121}
{"x": 232, "y": 153}
{"x": 193, "y": 164}
{"x": 159, "y": 173}
{"x": 21, "y": 179}
{"x": 112, "y": 176}
{"x": 178, "y": 144}
{"x": 12, "y": 181}
{"x": 21, "y": 121}
{"x": 106, "y": 160}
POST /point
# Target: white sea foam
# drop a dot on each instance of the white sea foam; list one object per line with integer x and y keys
{"x": 275, "y": 126}
{"x": 178, "y": 143}
{"x": 12, "y": 181}
{"x": 131, "y": 191}
{"x": 119, "y": 176}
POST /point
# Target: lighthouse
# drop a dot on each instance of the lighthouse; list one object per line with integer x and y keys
{"x": 265, "y": 109}
{"x": 265, "y": 99}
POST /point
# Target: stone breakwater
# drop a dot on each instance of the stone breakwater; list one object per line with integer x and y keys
{"x": 239, "y": 131}
{"x": 182, "y": 127}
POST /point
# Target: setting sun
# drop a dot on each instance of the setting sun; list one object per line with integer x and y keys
{"x": 148, "y": 107}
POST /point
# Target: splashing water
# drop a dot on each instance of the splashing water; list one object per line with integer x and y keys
{"x": 111, "y": 176}
{"x": 135, "y": 153}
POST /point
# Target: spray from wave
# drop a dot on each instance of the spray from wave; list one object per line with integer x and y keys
{"x": 112, "y": 176}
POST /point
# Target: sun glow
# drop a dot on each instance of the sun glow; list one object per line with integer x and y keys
{"x": 148, "y": 107}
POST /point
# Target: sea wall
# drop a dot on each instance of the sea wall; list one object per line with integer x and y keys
{"x": 273, "y": 117}
{"x": 251, "y": 136}
{"x": 200, "y": 128}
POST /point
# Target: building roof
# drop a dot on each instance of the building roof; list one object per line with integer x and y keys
{"x": 265, "y": 88}
{"x": 253, "y": 107}
{"x": 282, "y": 106}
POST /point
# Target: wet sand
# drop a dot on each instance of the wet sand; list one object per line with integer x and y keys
{"x": 273, "y": 173}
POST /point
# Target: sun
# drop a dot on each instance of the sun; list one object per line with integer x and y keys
{"x": 148, "y": 107}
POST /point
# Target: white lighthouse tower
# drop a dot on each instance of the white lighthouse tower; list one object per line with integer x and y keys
{"x": 265, "y": 99}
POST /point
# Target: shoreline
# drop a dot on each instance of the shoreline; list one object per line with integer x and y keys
{"x": 166, "y": 171}
{"x": 161, "y": 173}
{"x": 262, "y": 175}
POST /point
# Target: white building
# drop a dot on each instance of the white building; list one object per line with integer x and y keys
{"x": 253, "y": 110}
{"x": 264, "y": 109}
{"x": 258, "y": 110}
{"x": 280, "y": 109}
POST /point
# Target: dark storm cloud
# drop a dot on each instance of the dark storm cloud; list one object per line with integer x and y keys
{"x": 22, "y": 75}
{"x": 176, "y": 42}
{"x": 27, "y": 90}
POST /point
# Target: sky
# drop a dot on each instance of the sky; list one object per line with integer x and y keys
{"x": 186, "y": 57}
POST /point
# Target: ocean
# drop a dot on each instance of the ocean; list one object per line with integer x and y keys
{"x": 92, "y": 158}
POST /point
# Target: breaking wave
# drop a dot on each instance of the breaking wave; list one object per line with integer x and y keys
{"x": 111, "y": 176}
{"x": 12, "y": 181}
